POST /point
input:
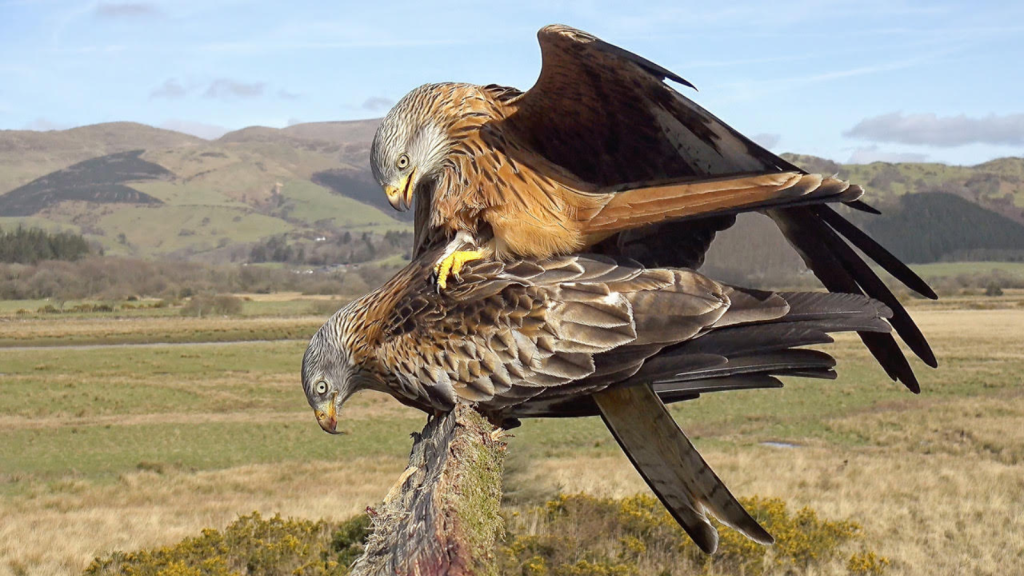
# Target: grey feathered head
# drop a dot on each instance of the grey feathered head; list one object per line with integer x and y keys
{"x": 410, "y": 145}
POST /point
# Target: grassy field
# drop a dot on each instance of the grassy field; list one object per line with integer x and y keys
{"x": 940, "y": 269}
{"x": 282, "y": 316}
{"x": 123, "y": 447}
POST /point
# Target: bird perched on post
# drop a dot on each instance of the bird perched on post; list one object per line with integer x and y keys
{"x": 602, "y": 154}
{"x": 578, "y": 336}
{"x": 599, "y": 145}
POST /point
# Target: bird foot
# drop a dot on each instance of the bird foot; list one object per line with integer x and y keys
{"x": 451, "y": 266}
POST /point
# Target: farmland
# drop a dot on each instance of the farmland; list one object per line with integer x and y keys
{"x": 133, "y": 446}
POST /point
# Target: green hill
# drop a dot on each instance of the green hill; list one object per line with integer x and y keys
{"x": 997, "y": 185}
{"x": 191, "y": 198}
{"x": 143, "y": 191}
{"x": 27, "y": 154}
{"x": 933, "y": 227}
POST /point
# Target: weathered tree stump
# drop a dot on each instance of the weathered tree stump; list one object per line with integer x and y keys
{"x": 443, "y": 517}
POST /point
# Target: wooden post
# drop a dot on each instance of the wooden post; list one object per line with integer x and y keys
{"x": 443, "y": 516}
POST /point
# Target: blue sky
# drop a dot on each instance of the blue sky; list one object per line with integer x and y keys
{"x": 847, "y": 80}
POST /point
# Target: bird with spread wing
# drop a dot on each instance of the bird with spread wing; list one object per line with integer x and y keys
{"x": 601, "y": 154}
{"x": 577, "y": 336}
{"x": 599, "y": 145}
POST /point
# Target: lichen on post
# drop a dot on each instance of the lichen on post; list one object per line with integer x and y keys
{"x": 443, "y": 518}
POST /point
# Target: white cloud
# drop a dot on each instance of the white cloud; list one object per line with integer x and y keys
{"x": 227, "y": 88}
{"x": 171, "y": 88}
{"x": 200, "y": 129}
{"x": 947, "y": 131}
{"x": 126, "y": 10}
{"x": 870, "y": 154}
{"x": 378, "y": 103}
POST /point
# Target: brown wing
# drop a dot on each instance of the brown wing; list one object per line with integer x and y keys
{"x": 608, "y": 116}
{"x": 508, "y": 333}
{"x": 513, "y": 334}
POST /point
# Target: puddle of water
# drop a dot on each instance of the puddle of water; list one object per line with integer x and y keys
{"x": 775, "y": 444}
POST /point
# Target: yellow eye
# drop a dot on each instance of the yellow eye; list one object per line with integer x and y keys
{"x": 403, "y": 161}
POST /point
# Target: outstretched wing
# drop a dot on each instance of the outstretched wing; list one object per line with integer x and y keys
{"x": 608, "y": 116}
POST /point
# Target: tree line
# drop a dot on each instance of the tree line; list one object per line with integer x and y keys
{"x": 32, "y": 245}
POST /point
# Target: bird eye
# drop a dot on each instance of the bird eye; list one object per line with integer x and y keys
{"x": 321, "y": 387}
{"x": 403, "y": 161}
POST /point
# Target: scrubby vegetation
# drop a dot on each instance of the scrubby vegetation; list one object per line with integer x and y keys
{"x": 215, "y": 304}
{"x": 337, "y": 248}
{"x": 119, "y": 278}
{"x": 251, "y": 545}
{"x": 580, "y": 535}
{"x": 570, "y": 535}
{"x": 31, "y": 245}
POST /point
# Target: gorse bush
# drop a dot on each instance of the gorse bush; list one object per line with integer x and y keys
{"x": 570, "y": 535}
{"x": 251, "y": 545}
{"x": 580, "y": 535}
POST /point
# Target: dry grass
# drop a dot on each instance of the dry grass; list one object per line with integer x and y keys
{"x": 936, "y": 480}
{"x": 98, "y": 330}
{"x": 61, "y": 528}
{"x": 929, "y": 513}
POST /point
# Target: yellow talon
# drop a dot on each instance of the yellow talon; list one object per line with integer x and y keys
{"x": 452, "y": 265}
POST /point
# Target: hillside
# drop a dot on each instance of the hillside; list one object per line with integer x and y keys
{"x": 997, "y": 185}
{"x": 947, "y": 227}
{"x": 191, "y": 198}
{"x": 27, "y": 154}
{"x": 143, "y": 191}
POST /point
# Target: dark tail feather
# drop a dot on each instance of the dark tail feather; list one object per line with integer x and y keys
{"x": 818, "y": 244}
{"x": 672, "y": 467}
{"x": 876, "y": 251}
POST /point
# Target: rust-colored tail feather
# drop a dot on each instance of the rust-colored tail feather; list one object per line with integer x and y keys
{"x": 677, "y": 200}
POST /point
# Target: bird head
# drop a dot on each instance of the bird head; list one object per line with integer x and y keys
{"x": 410, "y": 146}
{"x": 329, "y": 375}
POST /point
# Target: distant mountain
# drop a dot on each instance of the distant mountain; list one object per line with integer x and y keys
{"x": 27, "y": 154}
{"x": 343, "y": 132}
{"x": 150, "y": 192}
{"x": 934, "y": 226}
{"x": 997, "y": 185}
{"x": 178, "y": 196}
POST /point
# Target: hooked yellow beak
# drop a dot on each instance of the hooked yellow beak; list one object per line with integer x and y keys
{"x": 400, "y": 197}
{"x": 327, "y": 417}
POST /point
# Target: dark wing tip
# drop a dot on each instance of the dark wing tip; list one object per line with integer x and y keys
{"x": 644, "y": 63}
{"x": 576, "y": 35}
{"x": 864, "y": 207}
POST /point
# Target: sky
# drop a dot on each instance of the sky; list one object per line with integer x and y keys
{"x": 850, "y": 80}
